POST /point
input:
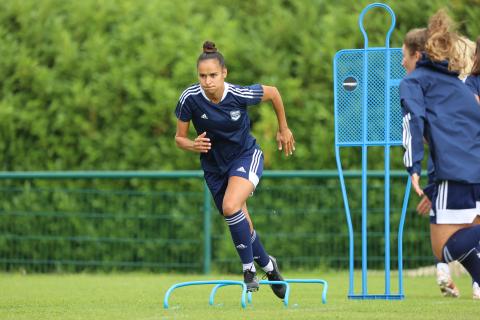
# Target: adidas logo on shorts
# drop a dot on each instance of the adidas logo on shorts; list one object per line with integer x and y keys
{"x": 241, "y": 169}
{"x": 241, "y": 246}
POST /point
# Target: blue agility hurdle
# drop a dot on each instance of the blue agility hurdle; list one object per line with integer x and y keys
{"x": 367, "y": 113}
{"x": 217, "y": 282}
{"x": 245, "y": 297}
{"x": 313, "y": 281}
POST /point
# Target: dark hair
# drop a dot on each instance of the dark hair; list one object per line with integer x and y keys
{"x": 211, "y": 52}
{"x": 476, "y": 60}
{"x": 415, "y": 40}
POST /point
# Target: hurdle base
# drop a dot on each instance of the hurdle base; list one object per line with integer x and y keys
{"x": 376, "y": 296}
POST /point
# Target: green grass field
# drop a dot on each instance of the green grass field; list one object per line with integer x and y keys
{"x": 140, "y": 296}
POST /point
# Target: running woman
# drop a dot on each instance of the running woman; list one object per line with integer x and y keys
{"x": 230, "y": 157}
{"x": 438, "y": 106}
{"x": 413, "y": 47}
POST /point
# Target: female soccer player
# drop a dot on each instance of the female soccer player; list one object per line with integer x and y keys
{"x": 230, "y": 157}
{"x": 437, "y": 106}
{"x": 413, "y": 47}
{"x": 473, "y": 80}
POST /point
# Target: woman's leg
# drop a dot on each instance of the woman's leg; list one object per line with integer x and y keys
{"x": 264, "y": 260}
{"x": 439, "y": 235}
{"x": 259, "y": 254}
{"x": 458, "y": 242}
{"x": 454, "y": 229}
{"x": 237, "y": 192}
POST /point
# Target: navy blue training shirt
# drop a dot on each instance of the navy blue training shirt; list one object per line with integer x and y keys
{"x": 227, "y": 123}
{"x": 439, "y": 106}
{"x": 473, "y": 83}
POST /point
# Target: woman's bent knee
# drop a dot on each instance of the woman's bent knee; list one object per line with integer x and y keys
{"x": 230, "y": 208}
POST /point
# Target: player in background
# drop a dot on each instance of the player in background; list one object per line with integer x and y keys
{"x": 437, "y": 106}
{"x": 413, "y": 47}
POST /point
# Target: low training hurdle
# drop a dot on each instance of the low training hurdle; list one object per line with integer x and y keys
{"x": 367, "y": 113}
{"x": 246, "y": 297}
{"x": 217, "y": 282}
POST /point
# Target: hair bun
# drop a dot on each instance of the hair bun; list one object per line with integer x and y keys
{"x": 209, "y": 47}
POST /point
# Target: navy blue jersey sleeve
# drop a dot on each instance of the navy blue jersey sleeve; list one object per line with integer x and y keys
{"x": 473, "y": 83}
{"x": 413, "y": 109}
{"x": 183, "y": 111}
{"x": 247, "y": 95}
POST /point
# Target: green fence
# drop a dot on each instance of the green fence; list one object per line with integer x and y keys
{"x": 166, "y": 221}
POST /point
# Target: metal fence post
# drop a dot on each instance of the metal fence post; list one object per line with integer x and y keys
{"x": 207, "y": 230}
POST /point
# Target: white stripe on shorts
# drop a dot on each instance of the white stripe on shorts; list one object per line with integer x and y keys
{"x": 259, "y": 156}
{"x": 255, "y": 161}
{"x": 445, "y": 195}
{"x": 252, "y": 172}
{"x": 441, "y": 202}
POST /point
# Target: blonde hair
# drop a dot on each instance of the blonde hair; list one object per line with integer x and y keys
{"x": 444, "y": 43}
{"x": 466, "y": 48}
{"x": 476, "y": 59}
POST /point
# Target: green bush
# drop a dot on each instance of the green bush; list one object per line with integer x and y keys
{"x": 93, "y": 85}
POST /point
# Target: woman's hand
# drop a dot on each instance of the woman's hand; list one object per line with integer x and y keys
{"x": 285, "y": 141}
{"x": 202, "y": 143}
{"x": 424, "y": 206}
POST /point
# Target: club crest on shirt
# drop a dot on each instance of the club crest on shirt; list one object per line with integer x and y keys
{"x": 235, "y": 115}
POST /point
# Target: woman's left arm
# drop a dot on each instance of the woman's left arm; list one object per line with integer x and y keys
{"x": 285, "y": 139}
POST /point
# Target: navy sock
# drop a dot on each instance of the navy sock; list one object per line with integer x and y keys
{"x": 240, "y": 231}
{"x": 464, "y": 246}
{"x": 259, "y": 254}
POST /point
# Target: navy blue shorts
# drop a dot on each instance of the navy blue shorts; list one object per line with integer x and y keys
{"x": 455, "y": 202}
{"x": 248, "y": 166}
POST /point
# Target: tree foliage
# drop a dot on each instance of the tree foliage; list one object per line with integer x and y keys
{"x": 93, "y": 85}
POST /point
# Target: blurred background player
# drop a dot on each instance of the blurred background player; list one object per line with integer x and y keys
{"x": 414, "y": 46}
{"x": 432, "y": 100}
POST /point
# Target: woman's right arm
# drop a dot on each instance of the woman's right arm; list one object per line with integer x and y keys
{"x": 200, "y": 144}
{"x": 413, "y": 110}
